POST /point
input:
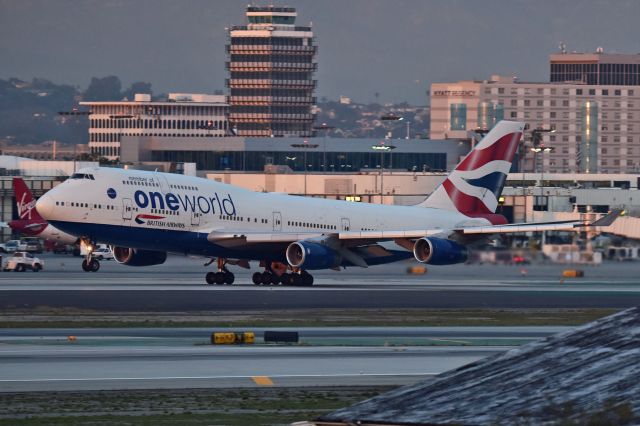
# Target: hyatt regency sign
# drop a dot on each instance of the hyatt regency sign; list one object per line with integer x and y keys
{"x": 454, "y": 93}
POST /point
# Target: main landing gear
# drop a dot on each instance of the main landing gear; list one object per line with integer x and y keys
{"x": 296, "y": 278}
{"x": 89, "y": 264}
{"x": 223, "y": 276}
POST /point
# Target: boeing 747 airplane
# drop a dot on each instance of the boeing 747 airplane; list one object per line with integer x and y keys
{"x": 145, "y": 215}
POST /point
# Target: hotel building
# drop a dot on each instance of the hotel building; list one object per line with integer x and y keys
{"x": 597, "y": 128}
{"x": 271, "y": 66}
{"x": 592, "y": 104}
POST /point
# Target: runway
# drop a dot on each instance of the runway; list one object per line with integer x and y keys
{"x": 140, "y": 358}
{"x": 44, "y": 360}
{"x": 178, "y": 285}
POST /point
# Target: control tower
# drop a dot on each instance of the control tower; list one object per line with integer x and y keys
{"x": 271, "y": 64}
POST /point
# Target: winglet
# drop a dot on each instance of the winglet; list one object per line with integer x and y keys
{"x": 609, "y": 218}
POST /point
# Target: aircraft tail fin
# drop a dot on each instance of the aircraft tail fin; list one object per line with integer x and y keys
{"x": 474, "y": 186}
{"x": 25, "y": 201}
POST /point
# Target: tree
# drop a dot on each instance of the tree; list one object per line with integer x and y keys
{"x": 104, "y": 89}
{"x": 137, "y": 87}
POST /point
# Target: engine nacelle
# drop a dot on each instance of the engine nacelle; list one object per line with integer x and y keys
{"x": 308, "y": 255}
{"x": 439, "y": 251}
{"x": 136, "y": 257}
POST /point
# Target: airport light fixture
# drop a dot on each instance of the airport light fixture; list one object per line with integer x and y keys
{"x": 382, "y": 147}
{"x": 391, "y": 117}
{"x": 306, "y": 146}
{"x": 394, "y": 117}
{"x": 536, "y": 136}
{"x": 326, "y": 128}
{"x": 543, "y": 149}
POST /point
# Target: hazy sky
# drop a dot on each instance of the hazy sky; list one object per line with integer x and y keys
{"x": 396, "y": 48}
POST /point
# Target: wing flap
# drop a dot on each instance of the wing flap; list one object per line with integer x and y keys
{"x": 258, "y": 237}
{"x": 388, "y": 235}
{"x": 533, "y": 227}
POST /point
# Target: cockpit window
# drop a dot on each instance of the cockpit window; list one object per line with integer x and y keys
{"x": 82, "y": 176}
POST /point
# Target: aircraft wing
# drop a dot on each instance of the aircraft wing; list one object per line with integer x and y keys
{"x": 238, "y": 238}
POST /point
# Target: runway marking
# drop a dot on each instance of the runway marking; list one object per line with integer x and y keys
{"x": 262, "y": 380}
{"x": 461, "y": 342}
{"x": 283, "y": 376}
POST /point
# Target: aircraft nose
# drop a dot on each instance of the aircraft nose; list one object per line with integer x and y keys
{"x": 45, "y": 205}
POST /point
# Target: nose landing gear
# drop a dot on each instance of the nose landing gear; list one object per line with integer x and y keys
{"x": 222, "y": 276}
{"x": 89, "y": 264}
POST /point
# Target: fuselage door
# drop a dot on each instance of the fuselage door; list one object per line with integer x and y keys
{"x": 345, "y": 224}
{"x": 164, "y": 184}
{"x": 127, "y": 208}
{"x": 277, "y": 221}
{"x": 195, "y": 219}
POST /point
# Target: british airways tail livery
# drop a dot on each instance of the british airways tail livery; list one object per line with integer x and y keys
{"x": 145, "y": 215}
{"x": 30, "y": 222}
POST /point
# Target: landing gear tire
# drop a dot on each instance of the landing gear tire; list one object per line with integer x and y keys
{"x": 94, "y": 265}
{"x": 257, "y": 278}
{"x": 90, "y": 265}
{"x": 287, "y": 279}
{"x": 219, "y": 278}
{"x": 266, "y": 278}
{"x": 304, "y": 279}
{"x": 307, "y": 279}
{"x": 222, "y": 276}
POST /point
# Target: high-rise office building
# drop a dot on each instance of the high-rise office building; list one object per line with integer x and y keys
{"x": 595, "y": 68}
{"x": 271, "y": 66}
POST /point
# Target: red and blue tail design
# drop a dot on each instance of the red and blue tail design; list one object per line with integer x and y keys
{"x": 474, "y": 186}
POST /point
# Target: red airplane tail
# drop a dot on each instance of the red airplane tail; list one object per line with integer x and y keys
{"x": 25, "y": 201}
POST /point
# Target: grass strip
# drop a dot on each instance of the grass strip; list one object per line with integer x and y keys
{"x": 56, "y": 318}
{"x": 261, "y": 406}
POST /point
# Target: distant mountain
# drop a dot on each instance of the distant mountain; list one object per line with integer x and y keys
{"x": 30, "y": 112}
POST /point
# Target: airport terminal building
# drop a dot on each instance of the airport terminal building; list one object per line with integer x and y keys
{"x": 296, "y": 154}
{"x": 186, "y": 114}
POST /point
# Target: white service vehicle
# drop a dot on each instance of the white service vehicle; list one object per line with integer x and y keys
{"x": 103, "y": 252}
{"x": 20, "y": 261}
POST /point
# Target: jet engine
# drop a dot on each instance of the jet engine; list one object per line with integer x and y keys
{"x": 308, "y": 255}
{"x": 137, "y": 257}
{"x": 439, "y": 251}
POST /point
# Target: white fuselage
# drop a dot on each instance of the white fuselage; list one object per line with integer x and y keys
{"x": 175, "y": 213}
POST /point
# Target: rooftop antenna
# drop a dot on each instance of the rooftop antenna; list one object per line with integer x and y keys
{"x": 563, "y": 47}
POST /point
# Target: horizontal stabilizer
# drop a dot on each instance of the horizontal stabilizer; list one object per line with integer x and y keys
{"x": 608, "y": 219}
